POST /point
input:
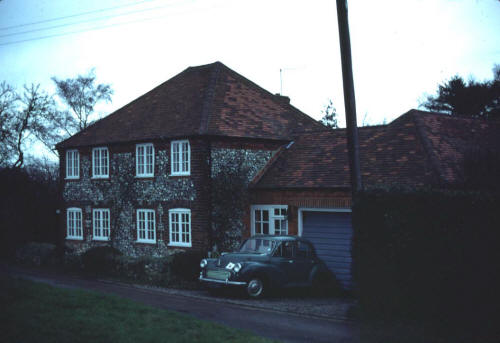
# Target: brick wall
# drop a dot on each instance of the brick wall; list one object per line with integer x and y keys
{"x": 123, "y": 193}
{"x": 295, "y": 199}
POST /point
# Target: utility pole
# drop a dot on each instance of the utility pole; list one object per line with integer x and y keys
{"x": 349, "y": 99}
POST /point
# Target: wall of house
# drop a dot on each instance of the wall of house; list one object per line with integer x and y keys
{"x": 123, "y": 193}
{"x": 234, "y": 164}
{"x": 295, "y": 199}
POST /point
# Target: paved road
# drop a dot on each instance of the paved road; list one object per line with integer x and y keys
{"x": 275, "y": 325}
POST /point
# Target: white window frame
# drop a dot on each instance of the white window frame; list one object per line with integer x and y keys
{"x": 72, "y": 164}
{"x": 179, "y": 229}
{"x": 101, "y": 221}
{"x": 271, "y": 217}
{"x": 180, "y": 159}
{"x": 141, "y": 160}
{"x": 149, "y": 220}
{"x": 74, "y": 223}
{"x": 100, "y": 171}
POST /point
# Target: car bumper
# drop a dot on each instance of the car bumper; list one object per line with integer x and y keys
{"x": 222, "y": 282}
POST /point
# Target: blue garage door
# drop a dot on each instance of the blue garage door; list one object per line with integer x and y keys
{"x": 331, "y": 234}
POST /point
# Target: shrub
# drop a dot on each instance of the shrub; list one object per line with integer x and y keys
{"x": 36, "y": 254}
{"x": 186, "y": 265}
{"x": 146, "y": 269}
{"x": 423, "y": 252}
{"x": 100, "y": 260}
{"x": 28, "y": 192}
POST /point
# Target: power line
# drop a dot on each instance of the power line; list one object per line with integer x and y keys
{"x": 79, "y": 31}
{"x": 86, "y": 30}
{"x": 74, "y": 15}
{"x": 85, "y": 21}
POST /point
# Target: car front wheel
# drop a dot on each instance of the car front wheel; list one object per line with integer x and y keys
{"x": 255, "y": 287}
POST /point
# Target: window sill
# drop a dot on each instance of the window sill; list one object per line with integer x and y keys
{"x": 144, "y": 176}
{"x": 99, "y": 178}
{"x": 145, "y": 242}
{"x": 180, "y": 245}
{"x": 72, "y": 178}
{"x": 74, "y": 238}
{"x": 175, "y": 175}
{"x": 105, "y": 239}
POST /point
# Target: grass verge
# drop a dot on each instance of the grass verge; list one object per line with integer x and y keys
{"x": 34, "y": 312}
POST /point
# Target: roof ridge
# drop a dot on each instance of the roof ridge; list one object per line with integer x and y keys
{"x": 426, "y": 143}
{"x": 209, "y": 98}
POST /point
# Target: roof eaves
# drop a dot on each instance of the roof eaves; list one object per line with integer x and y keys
{"x": 267, "y": 166}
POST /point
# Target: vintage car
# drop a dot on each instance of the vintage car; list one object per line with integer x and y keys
{"x": 267, "y": 262}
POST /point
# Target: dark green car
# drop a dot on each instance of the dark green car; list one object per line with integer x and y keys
{"x": 264, "y": 262}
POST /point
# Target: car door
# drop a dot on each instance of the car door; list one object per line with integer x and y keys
{"x": 294, "y": 267}
{"x": 304, "y": 261}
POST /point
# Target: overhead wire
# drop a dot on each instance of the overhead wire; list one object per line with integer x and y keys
{"x": 85, "y": 21}
{"x": 74, "y": 15}
{"x": 84, "y": 30}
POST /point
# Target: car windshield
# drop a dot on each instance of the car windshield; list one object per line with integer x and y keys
{"x": 257, "y": 246}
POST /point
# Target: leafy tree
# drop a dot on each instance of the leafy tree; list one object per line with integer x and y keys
{"x": 469, "y": 99}
{"x": 330, "y": 116}
{"x": 81, "y": 95}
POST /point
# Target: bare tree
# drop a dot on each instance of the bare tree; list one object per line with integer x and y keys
{"x": 32, "y": 119}
{"x": 23, "y": 118}
{"x": 8, "y": 102}
{"x": 81, "y": 95}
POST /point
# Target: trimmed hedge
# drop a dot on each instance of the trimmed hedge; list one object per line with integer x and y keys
{"x": 179, "y": 269}
{"x": 425, "y": 252}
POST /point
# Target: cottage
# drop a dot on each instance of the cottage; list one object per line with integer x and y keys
{"x": 142, "y": 178}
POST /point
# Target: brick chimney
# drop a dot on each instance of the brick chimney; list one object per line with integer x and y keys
{"x": 283, "y": 99}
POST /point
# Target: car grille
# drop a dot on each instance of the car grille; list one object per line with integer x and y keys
{"x": 218, "y": 274}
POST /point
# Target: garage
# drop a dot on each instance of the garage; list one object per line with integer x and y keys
{"x": 331, "y": 233}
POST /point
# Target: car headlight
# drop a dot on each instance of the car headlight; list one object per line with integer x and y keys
{"x": 237, "y": 267}
{"x": 203, "y": 263}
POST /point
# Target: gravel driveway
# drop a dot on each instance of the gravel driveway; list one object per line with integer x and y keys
{"x": 291, "y": 302}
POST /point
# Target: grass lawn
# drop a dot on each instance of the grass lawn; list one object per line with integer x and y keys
{"x": 34, "y": 312}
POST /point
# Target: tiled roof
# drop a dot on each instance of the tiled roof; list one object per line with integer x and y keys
{"x": 205, "y": 100}
{"x": 418, "y": 148}
{"x": 449, "y": 139}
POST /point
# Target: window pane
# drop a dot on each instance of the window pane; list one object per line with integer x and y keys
{"x": 265, "y": 215}
{"x": 265, "y": 228}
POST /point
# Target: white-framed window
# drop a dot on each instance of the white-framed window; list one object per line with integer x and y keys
{"x": 269, "y": 219}
{"x": 101, "y": 222}
{"x": 74, "y": 223}
{"x": 72, "y": 164}
{"x": 144, "y": 160}
{"x": 180, "y": 156}
{"x": 100, "y": 163}
{"x": 146, "y": 226}
{"x": 180, "y": 227}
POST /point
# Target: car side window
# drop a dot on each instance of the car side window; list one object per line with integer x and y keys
{"x": 286, "y": 250}
{"x": 304, "y": 250}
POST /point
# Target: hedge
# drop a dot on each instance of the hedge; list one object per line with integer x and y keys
{"x": 179, "y": 269}
{"x": 427, "y": 252}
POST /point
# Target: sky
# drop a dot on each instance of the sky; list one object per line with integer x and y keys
{"x": 401, "y": 50}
